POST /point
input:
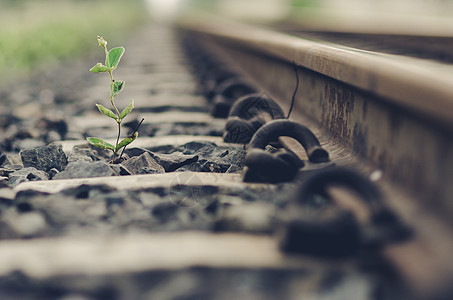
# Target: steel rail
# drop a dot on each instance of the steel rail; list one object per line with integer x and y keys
{"x": 402, "y": 81}
{"x": 394, "y": 113}
{"x": 425, "y": 47}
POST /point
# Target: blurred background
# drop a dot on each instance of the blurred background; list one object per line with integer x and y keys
{"x": 34, "y": 33}
{"x": 37, "y": 32}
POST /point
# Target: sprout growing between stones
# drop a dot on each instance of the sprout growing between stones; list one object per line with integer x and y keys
{"x": 112, "y": 59}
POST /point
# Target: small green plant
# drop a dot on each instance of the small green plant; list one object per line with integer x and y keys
{"x": 112, "y": 58}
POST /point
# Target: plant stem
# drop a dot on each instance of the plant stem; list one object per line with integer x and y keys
{"x": 117, "y": 139}
{"x": 133, "y": 133}
{"x": 112, "y": 81}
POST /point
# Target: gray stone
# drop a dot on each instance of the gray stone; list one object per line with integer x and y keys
{"x": 3, "y": 182}
{"x": 81, "y": 169}
{"x": 28, "y": 224}
{"x": 6, "y": 196}
{"x": 75, "y": 297}
{"x": 164, "y": 211}
{"x": 193, "y": 167}
{"x": 85, "y": 154}
{"x": 45, "y": 158}
{"x": 174, "y": 161}
{"x": 28, "y": 110}
{"x": 27, "y": 144}
{"x": 120, "y": 169}
{"x": 6, "y": 232}
{"x": 53, "y": 125}
{"x": 85, "y": 191}
{"x": 13, "y": 161}
{"x": 52, "y": 136}
{"x": 217, "y": 160}
{"x": 144, "y": 161}
{"x": 90, "y": 151}
{"x": 3, "y": 158}
{"x": 149, "y": 170}
{"x": 27, "y": 174}
{"x": 214, "y": 159}
{"x": 170, "y": 162}
{"x": 74, "y": 135}
{"x": 66, "y": 211}
{"x": 193, "y": 147}
{"x": 78, "y": 156}
{"x": 52, "y": 172}
{"x": 250, "y": 217}
{"x": 234, "y": 169}
{"x": 4, "y": 172}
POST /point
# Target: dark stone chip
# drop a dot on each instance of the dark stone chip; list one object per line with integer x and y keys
{"x": 45, "y": 158}
{"x": 81, "y": 169}
{"x": 136, "y": 164}
{"x": 27, "y": 174}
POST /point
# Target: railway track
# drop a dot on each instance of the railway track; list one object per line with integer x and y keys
{"x": 431, "y": 45}
{"x": 229, "y": 198}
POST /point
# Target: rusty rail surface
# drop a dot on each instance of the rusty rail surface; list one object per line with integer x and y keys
{"x": 393, "y": 114}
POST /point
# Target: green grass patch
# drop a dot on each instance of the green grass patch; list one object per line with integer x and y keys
{"x": 304, "y": 3}
{"x": 39, "y": 32}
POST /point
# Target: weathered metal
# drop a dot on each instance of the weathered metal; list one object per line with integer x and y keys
{"x": 392, "y": 114}
{"x": 228, "y": 92}
{"x": 283, "y": 165}
{"x": 263, "y": 166}
{"x": 247, "y": 115}
{"x": 395, "y": 113}
{"x": 272, "y": 130}
{"x": 335, "y": 231}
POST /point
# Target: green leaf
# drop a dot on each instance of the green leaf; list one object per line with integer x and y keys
{"x": 126, "y": 141}
{"x": 117, "y": 87}
{"x": 107, "y": 112}
{"x": 127, "y": 110}
{"x": 100, "y": 143}
{"x": 113, "y": 57}
{"x": 99, "y": 68}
